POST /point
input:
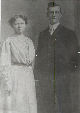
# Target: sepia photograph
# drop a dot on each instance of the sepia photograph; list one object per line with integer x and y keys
{"x": 40, "y": 56}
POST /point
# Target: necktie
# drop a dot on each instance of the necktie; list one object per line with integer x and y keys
{"x": 51, "y": 30}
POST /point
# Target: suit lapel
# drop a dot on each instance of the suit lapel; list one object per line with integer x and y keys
{"x": 57, "y": 30}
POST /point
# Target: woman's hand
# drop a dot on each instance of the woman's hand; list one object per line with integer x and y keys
{"x": 5, "y": 78}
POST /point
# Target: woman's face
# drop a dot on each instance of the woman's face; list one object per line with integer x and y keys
{"x": 19, "y": 26}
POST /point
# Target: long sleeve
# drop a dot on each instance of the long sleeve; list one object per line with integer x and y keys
{"x": 5, "y": 64}
{"x": 5, "y": 54}
{"x": 38, "y": 50}
{"x": 75, "y": 58}
{"x": 31, "y": 52}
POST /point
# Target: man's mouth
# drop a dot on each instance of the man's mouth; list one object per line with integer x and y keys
{"x": 53, "y": 17}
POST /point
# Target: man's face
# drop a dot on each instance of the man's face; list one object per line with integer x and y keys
{"x": 54, "y": 14}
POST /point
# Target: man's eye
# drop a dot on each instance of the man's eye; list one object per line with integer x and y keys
{"x": 51, "y": 12}
{"x": 56, "y": 11}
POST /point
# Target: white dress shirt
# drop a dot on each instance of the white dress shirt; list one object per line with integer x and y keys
{"x": 53, "y": 27}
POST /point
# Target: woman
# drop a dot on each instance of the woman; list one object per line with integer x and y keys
{"x": 17, "y": 79}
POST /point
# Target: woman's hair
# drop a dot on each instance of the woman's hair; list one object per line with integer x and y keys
{"x": 13, "y": 19}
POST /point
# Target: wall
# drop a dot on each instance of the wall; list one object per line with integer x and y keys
{"x": 77, "y": 82}
{"x": 77, "y": 18}
{"x": 37, "y": 21}
{"x": 36, "y": 12}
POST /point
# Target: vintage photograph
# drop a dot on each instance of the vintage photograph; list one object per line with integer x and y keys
{"x": 40, "y": 56}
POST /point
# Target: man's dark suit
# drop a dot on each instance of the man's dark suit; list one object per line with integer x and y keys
{"x": 56, "y": 59}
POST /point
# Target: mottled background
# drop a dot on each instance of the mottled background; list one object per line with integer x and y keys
{"x": 37, "y": 21}
{"x": 36, "y": 12}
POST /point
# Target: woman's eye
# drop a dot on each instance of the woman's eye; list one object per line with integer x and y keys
{"x": 19, "y": 23}
{"x": 15, "y": 24}
{"x": 22, "y": 23}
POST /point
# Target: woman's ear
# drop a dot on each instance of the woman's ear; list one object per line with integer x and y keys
{"x": 60, "y": 15}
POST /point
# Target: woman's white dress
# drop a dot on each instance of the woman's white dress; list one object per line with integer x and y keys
{"x": 17, "y": 84}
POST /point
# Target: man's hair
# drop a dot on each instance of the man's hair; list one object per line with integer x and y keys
{"x": 53, "y": 4}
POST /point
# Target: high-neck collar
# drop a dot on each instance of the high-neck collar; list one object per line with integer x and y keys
{"x": 19, "y": 35}
{"x": 54, "y": 26}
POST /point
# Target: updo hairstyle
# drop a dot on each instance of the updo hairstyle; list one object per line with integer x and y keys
{"x": 13, "y": 19}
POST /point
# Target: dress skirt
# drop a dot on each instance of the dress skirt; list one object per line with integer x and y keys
{"x": 22, "y": 95}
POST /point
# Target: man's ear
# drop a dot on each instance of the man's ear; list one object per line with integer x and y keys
{"x": 47, "y": 13}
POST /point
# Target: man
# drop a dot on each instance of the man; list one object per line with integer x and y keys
{"x": 56, "y": 59}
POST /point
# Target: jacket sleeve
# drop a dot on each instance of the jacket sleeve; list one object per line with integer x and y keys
{"x": 75, "y": 57}
{"x": 37, "y": 57}
{"x": 40, "y": 42}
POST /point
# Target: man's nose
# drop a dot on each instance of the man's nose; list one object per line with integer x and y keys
{"x": 19, "y": 25}
{"x": 54, "y": 13}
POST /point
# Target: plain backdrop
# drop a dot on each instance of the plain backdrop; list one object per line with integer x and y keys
{"x": 35, "y": 10}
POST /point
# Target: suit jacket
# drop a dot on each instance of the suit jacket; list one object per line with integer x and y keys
{"x": 56, "y": 53}
{"x": 56, "y": 58}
